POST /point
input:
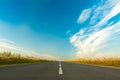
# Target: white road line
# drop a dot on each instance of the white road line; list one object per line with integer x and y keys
{"x": 60, "y": 69}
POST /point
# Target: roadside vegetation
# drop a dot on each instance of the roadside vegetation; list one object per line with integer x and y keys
{"x": 100, "y": 61}
{"x": 9, "y": 58}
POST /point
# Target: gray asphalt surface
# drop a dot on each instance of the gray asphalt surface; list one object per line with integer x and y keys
{"x": 50, "y": 70}
{"x": 88, "y": 72}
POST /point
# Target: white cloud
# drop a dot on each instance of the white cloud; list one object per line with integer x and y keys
{"x": 101, "y": 10}
{"x": 9, "y": 46}
{"x": 84, "y": 15}
{"x": 5, "y": 40}
{"x": 114, "y": 11}
{"x": 109, "y": 54}
{"x": 103, "y": 55}
{"x": 82, "y": 31}
{"x": 90, "y": 42}
{"x": 68, "y": 32}
{"x": 94, "y": 41}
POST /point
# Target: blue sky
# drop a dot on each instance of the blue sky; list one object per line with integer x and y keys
{"x": 60, "y": 29}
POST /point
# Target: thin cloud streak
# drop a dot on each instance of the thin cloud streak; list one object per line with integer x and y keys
{"x": 95, "y": 41}
{"x": 89, "y": 41}
{"x": 115, "y": 10}
{"x": 84, "y": 16}
{"x": 8, "y": 45}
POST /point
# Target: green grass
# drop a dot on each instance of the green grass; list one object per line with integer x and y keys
{"x": 100, "y": 61}
{"x": 9, "y": 58}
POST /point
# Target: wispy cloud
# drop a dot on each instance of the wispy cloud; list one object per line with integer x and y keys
{"x": 84, "y": 16}
{"x": 113, "y": 12}
{"x": 101, "y": 10}
{"x": 91, "y": 40}
{"x": 5, "y": 40}
{"x": 8, "y": 45}
{"x": 68, "y": 32}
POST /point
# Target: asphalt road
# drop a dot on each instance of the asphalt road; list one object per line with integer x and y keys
{"x": 58, "y": 71}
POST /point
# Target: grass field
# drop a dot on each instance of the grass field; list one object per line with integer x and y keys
{"x": 99, "y": 61}
{"x": 9, "y": 58}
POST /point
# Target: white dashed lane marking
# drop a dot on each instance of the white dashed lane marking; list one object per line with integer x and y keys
{"x": 60, "y": 69}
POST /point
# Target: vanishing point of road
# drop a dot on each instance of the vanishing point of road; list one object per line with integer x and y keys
{"x": 58, "y": 71}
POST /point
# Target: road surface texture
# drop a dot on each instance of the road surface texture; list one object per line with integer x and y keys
{"x": 58, "y": 71}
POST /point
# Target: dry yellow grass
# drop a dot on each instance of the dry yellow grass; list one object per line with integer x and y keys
{"x": 100, "y": 61}
{"x": 9, "y": 58}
